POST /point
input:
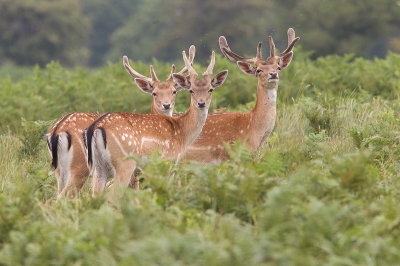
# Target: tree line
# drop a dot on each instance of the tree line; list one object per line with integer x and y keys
{"x": 92, "y": 32}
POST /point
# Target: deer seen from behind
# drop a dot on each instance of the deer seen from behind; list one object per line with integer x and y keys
{"x": 65, "y": 140}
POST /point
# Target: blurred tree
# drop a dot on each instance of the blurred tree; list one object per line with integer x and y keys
{"x": 106, "y": 16}
{"x": 38, "y": 31}
{"x": 163, "y": 29}
{"x": 341, "y": 26}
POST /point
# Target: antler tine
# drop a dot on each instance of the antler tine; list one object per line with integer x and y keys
{"x": 153, "y": 74}
{"x": 132, "y": 72}
{"x": 210, "y": 67}
{"x": 291, "y": 42}
{"x": 192, "y": 52}
{"x": 290, "y": 35}
{"x": 271, "y": 47}
{"x": 259, "y": 51}
{"x": 172, "y": 72}
{"x": 223, "y": 45}
{"x": 192, "y": 72}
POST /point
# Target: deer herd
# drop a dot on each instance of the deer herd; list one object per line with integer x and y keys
{"x": 84, "y": 144}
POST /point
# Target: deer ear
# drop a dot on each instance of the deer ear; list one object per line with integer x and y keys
{"x": 144, "y": 85}
{"x": 219, "y": 79}
{"x": 181, "y": 81}
{"x": 285, "y": 60}
{"x": 246, "y": 68}
{"x": 178, "y": 88}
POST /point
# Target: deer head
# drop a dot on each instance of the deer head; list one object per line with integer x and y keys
{"x": 164, "y": 93}
{"x": 200, "y": 88}
{"x": 268, "y": 69}
{"x": 253, "y": 126}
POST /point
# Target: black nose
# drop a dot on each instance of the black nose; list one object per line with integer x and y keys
{"x": 167, "y": 106}
{"x": 201, "y": 105}
{"x": 273, "y": 75}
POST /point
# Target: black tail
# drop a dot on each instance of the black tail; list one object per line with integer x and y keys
{"x": 52, "y": 142}
{"x": 88, "y": 136}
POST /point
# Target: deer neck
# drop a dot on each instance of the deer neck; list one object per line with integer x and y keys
{"x": 264, "y": 112}
{"x": 192, "y": 122}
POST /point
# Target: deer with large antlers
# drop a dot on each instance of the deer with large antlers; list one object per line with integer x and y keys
{"x": 254, "y": 126}
{"x": 65, "y": 140}
{"x": 115, "y": 135}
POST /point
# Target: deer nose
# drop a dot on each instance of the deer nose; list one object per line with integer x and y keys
{"x": 167, "y": 106}
{"x": 201, "y": 104}
{"x": 273, "y": 75}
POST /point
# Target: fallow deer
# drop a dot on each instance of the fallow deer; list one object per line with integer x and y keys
{"x": 65, "y": 141}
{"x": 254, "y": 126}
{"x": 115, "y": 135}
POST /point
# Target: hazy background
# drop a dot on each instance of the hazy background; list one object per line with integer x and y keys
{"x": 89, "y": 33}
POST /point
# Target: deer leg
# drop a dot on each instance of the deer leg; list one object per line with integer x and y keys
{"x": 135, "y": 181}
{"x": 75, "y": 182}
{"x": 125, "y": 172}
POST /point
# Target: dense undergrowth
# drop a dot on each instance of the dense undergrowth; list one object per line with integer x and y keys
{"x": 324, "y": 190}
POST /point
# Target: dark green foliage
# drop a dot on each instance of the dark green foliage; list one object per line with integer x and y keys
{"x": 340, "y": 27}
{"x": 36, "y": 32}
{"x": 89, "y": 32}
{"x": 105, "y": 16}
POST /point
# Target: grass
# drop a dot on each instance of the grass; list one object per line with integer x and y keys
{"x": 323, "y": 191}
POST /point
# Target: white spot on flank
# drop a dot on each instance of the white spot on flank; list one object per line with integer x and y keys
{"x": 144, "y": 140}
{"x": 119, "y": 144}
{"x": 129, "y": 143}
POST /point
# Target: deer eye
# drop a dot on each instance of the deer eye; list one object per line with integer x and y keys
{"x": 174, "y": 92}
{"x": 279, "y": 68}
{"x": 259, "y": 71}
{"x": 191, "y": 91}
{"x": 210, "y": 90}
{"x": 154, "y": 94}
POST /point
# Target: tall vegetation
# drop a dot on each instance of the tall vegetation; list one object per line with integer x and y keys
{"x": 49, "y": 93}
{"x": 324, "y": 191}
